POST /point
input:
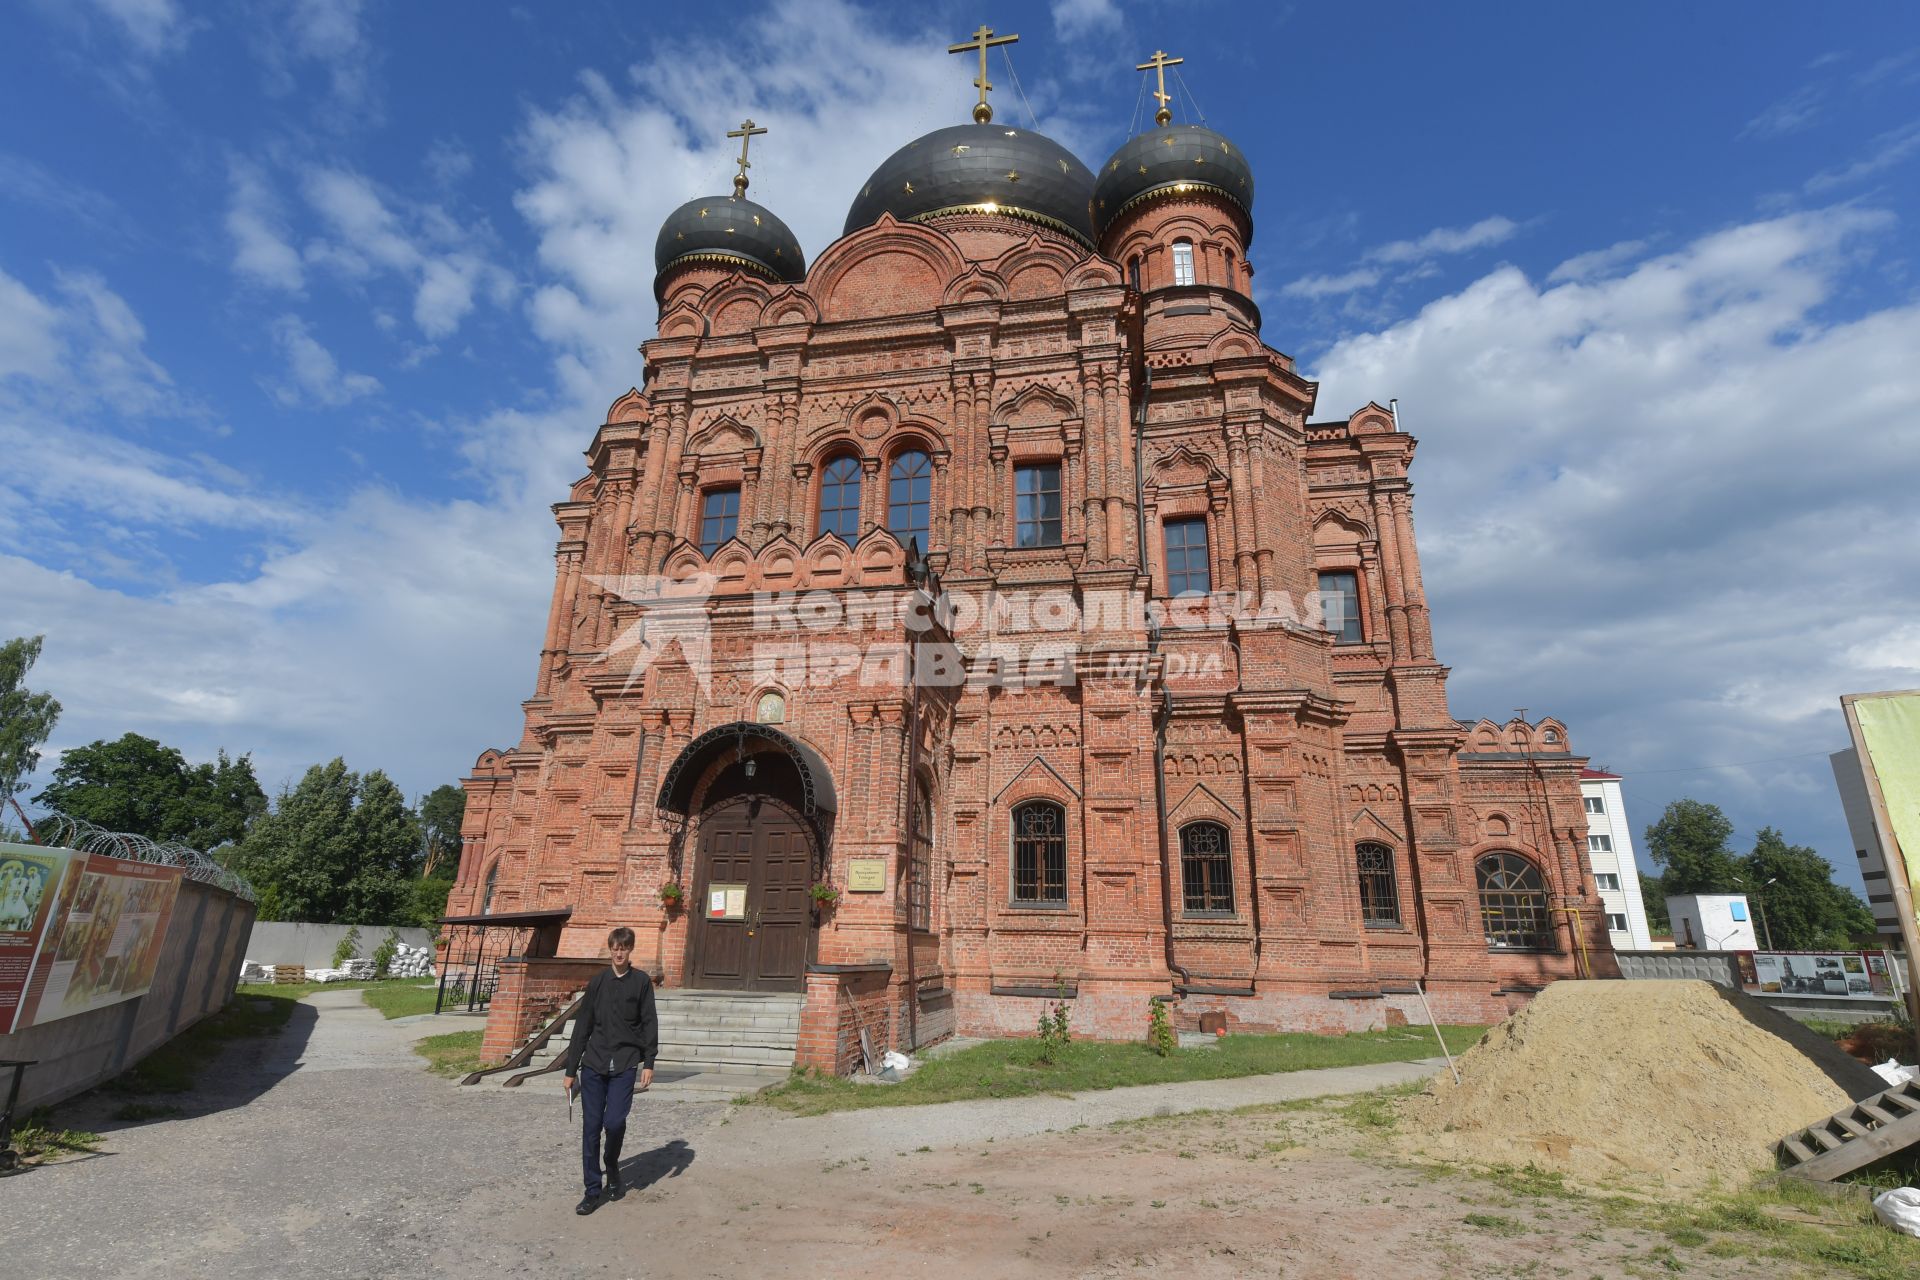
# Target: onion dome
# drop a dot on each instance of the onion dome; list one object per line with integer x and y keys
{"x": 980, "y": 168}
{"x": 1169, "y": 160}
{"x": 730, "y": 231}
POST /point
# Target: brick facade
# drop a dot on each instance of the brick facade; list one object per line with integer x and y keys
{"x": 987, "y": 343}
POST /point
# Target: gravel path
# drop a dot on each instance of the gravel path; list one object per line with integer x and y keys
{"x": 329, "y": 1152}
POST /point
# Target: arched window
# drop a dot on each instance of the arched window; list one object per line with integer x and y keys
{"x": 920, "y": 862}
{"x": 486, "y": 894}
{"x": 840, "y": 498}
{"x": 1183, "y": 262}
{"x": 1379, "y": 895}
{"x": 1133, "y": 272}
{"x": 1513, "y": 903}
{"x": 1040, "y": 852}
{"x": 1206, "y": 870}
{"x": 910, "y": 497}
{"x": 1233, "y": 281}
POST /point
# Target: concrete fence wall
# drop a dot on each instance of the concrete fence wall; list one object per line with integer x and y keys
{"x": 1707, "y": 966}
{"x": 199, "y": 967}
{"x": 281, "y": 942}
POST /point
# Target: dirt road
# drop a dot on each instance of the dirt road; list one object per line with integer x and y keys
{"x": 328, "y": 1152}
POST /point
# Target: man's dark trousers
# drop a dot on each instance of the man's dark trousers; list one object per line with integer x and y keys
{"x": 605, "y": 1101}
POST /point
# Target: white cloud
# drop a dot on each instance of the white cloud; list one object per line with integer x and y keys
{"x": 1889, "y": 149}
{"x": 329, "y": 35}
{"x": 1598, "y": 262}
{"x": 261, "y": 253}
{"x": 153, "y": 27}
{"x": 447, "y": 162}
{"x": 30, "y": 345}
{"x": 1446, "y": 240}
{"x": 1673, "y": 506}
{"x": 1331, "y": 286}
{"x": 317, "y": 376}
{"x": 1790, "y": 114}
{"x": 1078, "y": 17}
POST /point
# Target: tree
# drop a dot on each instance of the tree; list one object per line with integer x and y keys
{"x": 26, "y": 718}
{"x": 442, "y": 810}
{"x": 1804, "y": 909}
{"x": 337, "y": 848}
{"x": 1653, "y": 895}
{"x": 142, "y": 786}
{"x": 1689, "y": 845}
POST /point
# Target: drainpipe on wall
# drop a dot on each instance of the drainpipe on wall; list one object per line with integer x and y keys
{"x": 1165, "y": 710}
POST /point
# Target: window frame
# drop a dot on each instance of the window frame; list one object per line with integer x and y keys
{"x": 1042, "y": 877}
{"x": 902, "y": 535}
{"x": 709, "y": 547}
{"x": 1041, "y": 524}
{"x": 920, "y": 860}
{"x": 1521, "y": 912}
{"x": 1600, "y": 879}
{"x": 1619, "y": 928}
{"x": 851, "y": 477}
{"x": 1599, "y": 842}
{"x": 1187, "y": 550}
{"x": 1594, "y": 804}
{"x": 1184, "y": 263}
{"x": 1383, "y": 877}
{"x": 1206, "y": 875}
{"x": 1356, "y": 616}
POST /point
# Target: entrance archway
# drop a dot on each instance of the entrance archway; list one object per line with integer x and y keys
{"x": 765, "y": 806}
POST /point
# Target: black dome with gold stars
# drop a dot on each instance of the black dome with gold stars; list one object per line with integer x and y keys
{"x": 1167, "y": 160}
{"x": 728, "y": 231}
{"x": 980, "y": 168}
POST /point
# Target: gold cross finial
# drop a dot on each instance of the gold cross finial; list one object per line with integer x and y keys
{"x": 1159, "y": 63}
{"x": 983, "y": 40}
{"x": 747, "y": 132}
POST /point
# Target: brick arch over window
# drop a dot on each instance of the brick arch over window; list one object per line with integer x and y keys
{"x": 1513, "y": 902}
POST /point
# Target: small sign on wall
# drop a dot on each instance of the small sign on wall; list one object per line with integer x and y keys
{"x": 866, "y": 875}
{"x": 726, "y": 902}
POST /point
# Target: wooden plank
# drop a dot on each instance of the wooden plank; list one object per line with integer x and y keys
{"x": 1824, "y": 1136}
{"x": 1876, "y": 1114}
{"x": 1853, "y": 1127}
{"x": 1796, "y": 1150}
{"x": 1899, "y": 1098}
{"x": 1861, "y": 1152}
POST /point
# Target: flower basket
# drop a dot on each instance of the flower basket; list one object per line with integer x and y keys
{"x": 824, "y": 895}
{"x": 672, "y": 896}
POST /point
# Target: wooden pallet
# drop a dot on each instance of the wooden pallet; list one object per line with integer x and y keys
{"x": 1855, "y": 1136}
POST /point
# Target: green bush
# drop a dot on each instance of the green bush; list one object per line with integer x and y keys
{"x": 1160, "y": 1037}
{"x": 349, "y": 943}
{"x": 384, "y": 953}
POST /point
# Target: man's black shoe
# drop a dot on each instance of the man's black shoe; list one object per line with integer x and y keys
{"x": 587, "y": 1205}
{"x": 615, "y": 1188}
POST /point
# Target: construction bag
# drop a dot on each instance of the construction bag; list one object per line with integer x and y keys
{"x": 1899, "y": 1209}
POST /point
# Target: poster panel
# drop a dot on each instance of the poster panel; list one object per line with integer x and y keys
{"x": 107, "y": 946}
{"x": 1836, "y": 975}
{"x": 1890, "y": 736}
{"x": 30, "y": 882}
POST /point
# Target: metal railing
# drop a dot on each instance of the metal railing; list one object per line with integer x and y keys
{"x": 65, "y": 831}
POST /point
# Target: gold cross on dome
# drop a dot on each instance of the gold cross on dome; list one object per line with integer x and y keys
{"x": 747, "y": 132}
{"x": 983, "y": 40}
{"x": 1159, "y": 63}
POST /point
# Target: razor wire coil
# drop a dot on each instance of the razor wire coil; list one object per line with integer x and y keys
{"x": 66, "y": 831}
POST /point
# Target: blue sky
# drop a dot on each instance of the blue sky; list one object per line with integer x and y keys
{"x": 308, "y": 307}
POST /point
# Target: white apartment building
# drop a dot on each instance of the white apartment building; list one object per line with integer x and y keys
{"x": 1610, "y": 849}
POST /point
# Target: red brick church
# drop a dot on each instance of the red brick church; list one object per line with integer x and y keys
{"x": 981, "y": 612}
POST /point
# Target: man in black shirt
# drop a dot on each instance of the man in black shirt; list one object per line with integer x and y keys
{"x": 615, "y": 1032}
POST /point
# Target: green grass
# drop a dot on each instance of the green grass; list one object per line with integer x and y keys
{"x": 38, "y": 1142}
{"x": 1008, "y": 1068}
{"x": 402, "y": 998}
{"x": 1499, "y": 1224}
{"x": 455, "y": 1054}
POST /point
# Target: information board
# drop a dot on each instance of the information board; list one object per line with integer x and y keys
{"x": 30, "y": 881}
{"x": 102, "y": 942}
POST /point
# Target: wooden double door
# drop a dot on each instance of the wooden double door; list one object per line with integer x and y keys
{"x": 753, "y": 918}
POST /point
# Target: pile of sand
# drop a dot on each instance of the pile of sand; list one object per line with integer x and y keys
{"x": 1669, "y": 1083}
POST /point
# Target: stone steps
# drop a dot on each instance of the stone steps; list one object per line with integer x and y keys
{"x": 714, "y": 1045}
